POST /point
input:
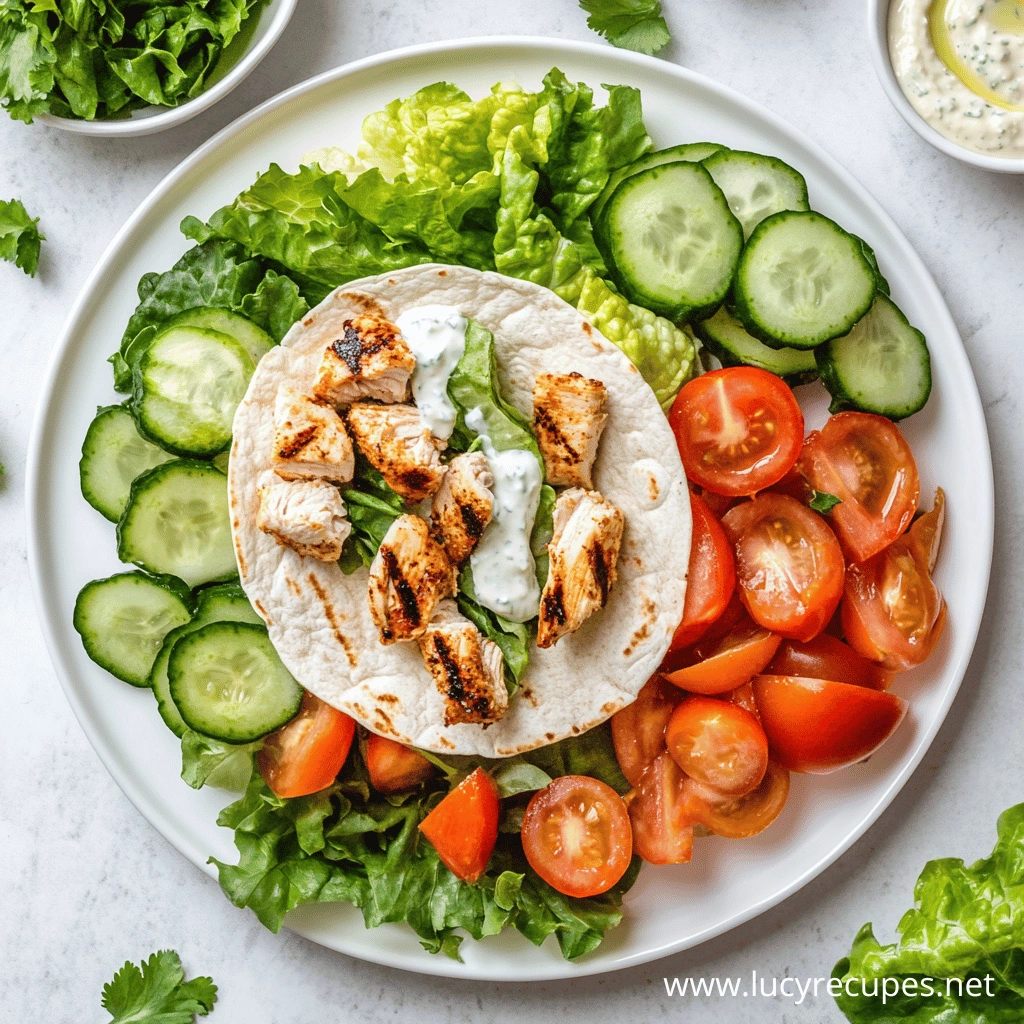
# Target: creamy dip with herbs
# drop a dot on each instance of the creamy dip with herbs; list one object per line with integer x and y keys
{"x": 961, "y": 65}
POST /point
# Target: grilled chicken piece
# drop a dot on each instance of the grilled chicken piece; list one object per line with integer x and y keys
{"x": 568, "y": 418}
{"x": 462, "y": 506}
{"x": 583, "y": 550}
{"x": 466, "y": 666}
{"x": 409, "y": 575}
{"x": 397, "y": 444}
{"x": 310, "y": 440}
{"x": 369, "y": 360}
{"x": 306, "y": 515}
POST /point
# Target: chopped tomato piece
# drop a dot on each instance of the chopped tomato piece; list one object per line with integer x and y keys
{"x": 638, "y": 730}
{"x": 719, "y": 504}
{"x": 576, "y": 835}
{"x": 394, "y": 766}
{"x": 744, "y": 697}
{"x": 719, "y": 744}
{"x": 739, "y": 430}
{"x": 739, "y": 817}
{"x": 659, "y": 814}
{"x": 719, "y": 664}
{"x": 305, "y": 755}
{"x": 463, "y": 827}
{"x": 892, "y": 612}
{"x": 711, "y": 579}
{"x": 788, "y": 564}
{"x": 825, "y": 657}
{"x": 864, "y": 461}
{"x": 817, "y": 726}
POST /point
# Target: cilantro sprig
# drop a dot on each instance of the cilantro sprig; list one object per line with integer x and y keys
{"x": 19, "y": 236}
{"x": 156, "y": 992}
{"x": 632, "y": 24}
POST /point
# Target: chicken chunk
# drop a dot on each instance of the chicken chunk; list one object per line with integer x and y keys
{"x": 462, "y": 506}
{"x": 568, "y": 418}
{"x": 583, "y": 551}
{"x": 395, "y": 441}
{"x": 409, "y": 575}
{"x": 307, "y": 516}
{"x": 466, "y": 666}
{"x": 369, "y": 360}
{"x": 310, "y": 440}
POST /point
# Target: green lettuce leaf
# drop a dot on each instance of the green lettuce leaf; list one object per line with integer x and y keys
{"x": 156, "y": 992}
{"x": 372, "y": 507}
{"x": 19, "y": 236}
{"x": 209, "y": 762}
{"x": 632, "y": 24}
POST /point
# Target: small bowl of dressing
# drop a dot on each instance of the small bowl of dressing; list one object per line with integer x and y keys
{"x": 954, "y": 69}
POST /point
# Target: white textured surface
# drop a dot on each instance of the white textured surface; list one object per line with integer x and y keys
{"x": 88, "y": 883}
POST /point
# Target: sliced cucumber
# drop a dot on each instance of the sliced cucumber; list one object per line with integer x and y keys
{"x": 221, "y": 461}
{"x": 801, "y": 281}
{"x": 186, "y": 387}
{"x": 114, "y": 453}
{"x": 229, "y": 683}
{"x": 757, "y": 186}
{"x": 176, "y": 521}
{"x": 726, "y": 338}
{"x": 881, "y": 366}
{"x": 672, "y": 240}
{"x": 225, "y": 602}
{"x": 256, "y": 342}
{"x": 869, "y": 254}
{"x": 123, "y": 621}
{"x": 691, "y": 152}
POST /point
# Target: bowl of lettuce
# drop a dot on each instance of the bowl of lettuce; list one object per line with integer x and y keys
{"x": 126, "y": 68}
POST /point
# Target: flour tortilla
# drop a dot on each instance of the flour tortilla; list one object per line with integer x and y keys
{"x": 318, "y": 617}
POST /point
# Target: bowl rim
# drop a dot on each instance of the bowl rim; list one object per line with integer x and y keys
{"x": 878, "y": 41}
{"x": 281, "y": 13}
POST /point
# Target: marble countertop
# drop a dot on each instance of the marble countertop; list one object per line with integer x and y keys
{"x": 88, "y": 883}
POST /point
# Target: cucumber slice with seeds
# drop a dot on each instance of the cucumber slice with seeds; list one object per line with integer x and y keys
{"x": 802, "y": 280}
{"x": 123, "y": 621}
{"x": 256, "y": 342}
{"x": 672, "y": 240}
{"x": 229, "y": 683}
{"x": 881, "y": 366}
{"x": 757, "y": 186}
{"x": 114, "y": 453}
{"x": 177, "y": 522}
{"x": 186, "y": 387}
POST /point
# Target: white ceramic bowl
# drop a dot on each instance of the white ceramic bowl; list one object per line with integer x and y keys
{"x": 878, "y": 40}
{"x": 273, "y": 19}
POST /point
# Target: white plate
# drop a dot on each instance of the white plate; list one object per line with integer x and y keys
{"x": 670, "y": 908}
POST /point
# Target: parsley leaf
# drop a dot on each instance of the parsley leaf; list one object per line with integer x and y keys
{"x": 158, "y": 993}
{"x": 822, "y": 501}
{"x": 632, "y": 24}
{"x": 19, "y": 236}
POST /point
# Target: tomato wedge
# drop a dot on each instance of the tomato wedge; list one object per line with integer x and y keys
{"x": 864, "y": 461}
{"x": 739, "y": 430}
{"x": 789, "y": 565}
{"x": 659, "y": 814}
{"x": 463, "y": 827}
{"x": 638, "y": 730}
{"x": 818, "y": 726}
{"x": 892, "y": 612}
{"x": 719, "y": 744}
{"x": 394, "y": 766}
{"x": 576, "y": 835}
{"x": 711, "y": 579}
{"x": 722, "y": 664}
{"x": 739, "y": 817}
{"x": 305, "y": 755}
{"x": 825, "y": 657}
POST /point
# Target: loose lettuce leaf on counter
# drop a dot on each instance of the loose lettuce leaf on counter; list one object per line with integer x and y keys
{"x": 19, "y": 236}
{"x": 631, "y": 24}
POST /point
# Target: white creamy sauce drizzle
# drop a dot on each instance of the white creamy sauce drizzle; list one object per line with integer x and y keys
{"x": 504, "y": 572}
{"x": 436, "y": 336}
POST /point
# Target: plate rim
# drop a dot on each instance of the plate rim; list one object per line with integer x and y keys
{"x": 982, "y": 525}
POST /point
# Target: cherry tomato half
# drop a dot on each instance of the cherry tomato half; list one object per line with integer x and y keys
{"x": 892, "y": 612}
{"x": 394, "y": 766}
{"x": 864, "y": 461}
{"x": 825, "y": 657}
{"x": 576, "y": 835}
{"x": 722, "y": 664}
{"x": 719, "y": 744}
{"x": 739, "y": 817}
{"x": 711, "y": 579}
{"x": 789, "y": 565}
{"x": 463, "y": 827}
{"x": 660, "y": 816}
{"x": 305, "y": 755}
{"x": 739, "y": 430}
{"x": 817, "y": 726}
{"x": 638, "y": 730}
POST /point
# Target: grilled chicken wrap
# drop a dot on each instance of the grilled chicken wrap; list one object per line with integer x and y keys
{"x": 325, "y": 627}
